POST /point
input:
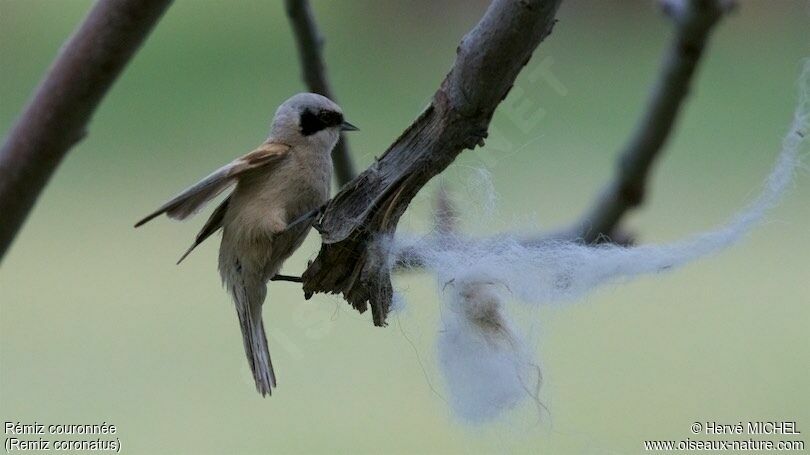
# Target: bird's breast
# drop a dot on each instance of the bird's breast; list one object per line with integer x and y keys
{"x": 265, "y": 200}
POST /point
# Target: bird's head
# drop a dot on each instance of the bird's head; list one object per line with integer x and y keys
{"x": 309, "y": 119}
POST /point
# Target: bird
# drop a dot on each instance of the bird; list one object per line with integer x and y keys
{"x": 274, "y": 187}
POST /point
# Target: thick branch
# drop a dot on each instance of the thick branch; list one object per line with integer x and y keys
{"x": 488, "y": 60}
{"x": 57, "y": 116}
{"x": 313, "y": 69}
{"x": 694, "y": 20}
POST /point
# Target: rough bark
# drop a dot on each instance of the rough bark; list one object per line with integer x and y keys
{"x": 488, "y": 60}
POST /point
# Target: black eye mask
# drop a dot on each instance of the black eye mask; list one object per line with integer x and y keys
{"x": 312, "y": 122}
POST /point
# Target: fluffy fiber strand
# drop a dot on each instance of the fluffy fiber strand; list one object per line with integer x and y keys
{"x": 482, "y": 357}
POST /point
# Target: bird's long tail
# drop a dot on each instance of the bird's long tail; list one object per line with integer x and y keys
{"x": 248, "y": 300}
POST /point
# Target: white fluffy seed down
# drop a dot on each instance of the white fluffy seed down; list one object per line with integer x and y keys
{"x": 480, "y": 352}
{"x": 484, "y": 362}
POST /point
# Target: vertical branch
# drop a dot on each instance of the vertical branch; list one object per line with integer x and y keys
{"x": 445, "y": 214}
{"x": 57, "y": 116}
{"x": 694, "y": 21}
{"x": 310, "y": 42}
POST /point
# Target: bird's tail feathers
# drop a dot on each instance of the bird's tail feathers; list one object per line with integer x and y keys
{"x": 254, "y": 338}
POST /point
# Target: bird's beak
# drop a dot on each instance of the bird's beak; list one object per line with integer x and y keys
{"x": 346, "y": 126}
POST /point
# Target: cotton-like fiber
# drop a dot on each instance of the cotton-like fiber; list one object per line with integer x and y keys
{"x": 480, "y": 352}
{"x": 484, "y": 362}
{"x": 544, "y": 272}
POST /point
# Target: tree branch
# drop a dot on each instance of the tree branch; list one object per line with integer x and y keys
{"x": 57, "y": 116}
{"x": 445, "y": 214}
{"x": 488, "y": 60}
{"x": 694, "y": 21}
{"x": 310, "y": 43}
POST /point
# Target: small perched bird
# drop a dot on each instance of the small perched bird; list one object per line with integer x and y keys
{"x": 285, "y": 178}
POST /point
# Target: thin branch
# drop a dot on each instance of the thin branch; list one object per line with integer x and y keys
{"x": 57, "y": 116}
{"x": 310, "y": 43}
{"x": 290, "y": 278}
{"x": 445, "y": 214}
{"x": 488, "y": 60}
{"x": 694, "y": 21}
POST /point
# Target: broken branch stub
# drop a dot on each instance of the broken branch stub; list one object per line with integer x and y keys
{"x": 488, "y": 60}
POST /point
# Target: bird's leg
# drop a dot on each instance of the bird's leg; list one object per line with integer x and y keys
{"x": 308, "y": 217}
{"x": 290, "y": 278}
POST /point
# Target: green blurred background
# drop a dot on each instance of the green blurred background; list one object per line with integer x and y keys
{"x": 98, "y": 324}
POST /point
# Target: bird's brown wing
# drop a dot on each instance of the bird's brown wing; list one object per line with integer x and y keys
{"x": 193, "y": 199}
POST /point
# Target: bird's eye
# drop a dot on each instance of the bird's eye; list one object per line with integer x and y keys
{"x": 312, "y": 122}
{"x": 330, "y": 118}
